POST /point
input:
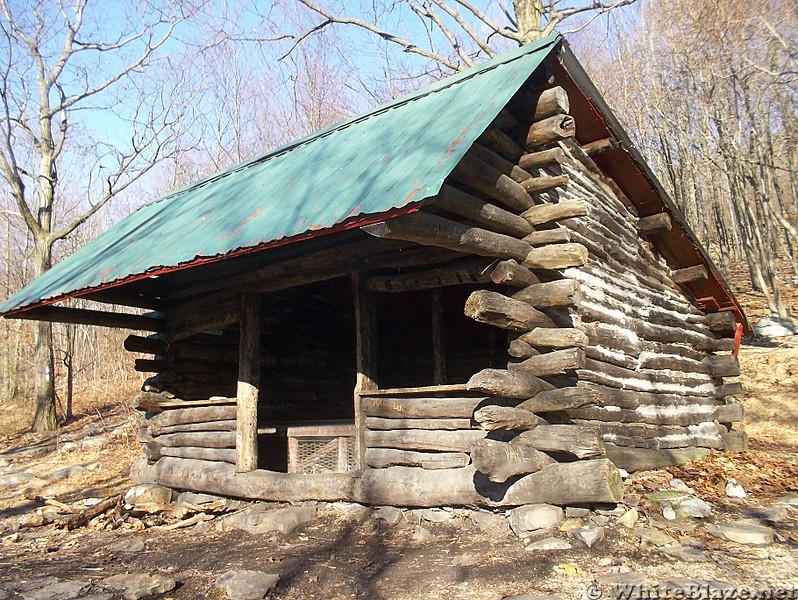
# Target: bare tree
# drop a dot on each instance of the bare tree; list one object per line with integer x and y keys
{"x": 63, "y": 70}
{"x": 455, "y": 34}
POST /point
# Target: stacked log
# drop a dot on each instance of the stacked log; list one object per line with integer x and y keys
{"x": 199, "y": 430}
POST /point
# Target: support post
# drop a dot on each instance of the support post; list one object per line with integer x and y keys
{"x": 248, "y": 385}
{"x": 365, "y": 349}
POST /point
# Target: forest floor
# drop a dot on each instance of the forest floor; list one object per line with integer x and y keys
{"x": 347, "y": 552}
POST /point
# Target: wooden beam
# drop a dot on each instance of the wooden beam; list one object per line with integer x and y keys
{"x": 555, "y": 211}
{"x": 459, "y": 274}
{"x": 365, "y": 350}
{"x": 84, "y": 316}
{"x": 121, "y": 296}
{"x": 561, "y": 292}
{"x": 509, "y": 272}
{"x": 689, "y": 274}
{"x": 557, "y": 362}
{"x": 501, "y": 143}
{"x": 431, "y": 230}
{"x": 499, "y": 163}
{"x": 553, "y": 129}
{"x": 544, "y": 237}
{"x": 550, "y": 102}
{"x": 543, "y": 183}
{"x": 556, "y": 256}
{"x": 494, "y": 218}
{"x": 492, "y": 308}
{"x": 505, "y": 120}
{"x": 723, "y": 322}
{"x": 248, "y": 385}
{"x": 550, "y": 337}
{"x": 654, "y": 223}
{"x": 145, "y": 345}
{"x": 507, "y": 384}
{"x": 542, "y": 158}
{"x": 724, "y": 366}
{"x": 482, "y": 177}
{"x": 599, "y": 146}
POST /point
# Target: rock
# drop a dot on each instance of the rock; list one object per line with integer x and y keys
{"x": 668, "y": 512}
{"x": 694, "y": 508}
{"x": 549, "y": 543}
{"x": 533, "y": 517}
{"x": 681, "y": 486}
{"x": 93, "y": 442}
{"x": 599, "y": 520}
{"x": 65, "y": 473}
{"x": 20, "y": 478}
{"x": 527, "y": 597}
{"x": 772, "y": 327}
{"x": 134, "y": 586}
{"x": 654, "y": 537}
{"x": 629, "y": 518}
{"x": 62, "y": 590}
{"x": 96, "y": 597}
{"x": 134, "y": 545}
{"x": 487, "y": 521}
{"x": 572, "y": 512}
{"x": 589, "y": 536}
{"x": 734, "y": 489}
{"x": 254, "y": 520}
{"x": 620, "y": 580}
{"x": 194, "y": 498}
{"x": 772, "y": 514}
{"x": 148, "y": 493}
{"x": 433, "y": 515}
{"x": 570, "y": 524}
{"x": 350, "y": 510}
{"x": 683, "y": 503}
{"x": 247, "y": 585}
{"x": 691, "y": 542}
{"x": 422, "y": 536}
{"x": 389, "y": 514}
{"x": 685, "y": 554}
{"x": 742, "y": 532}
{"x": 790, "y": 498}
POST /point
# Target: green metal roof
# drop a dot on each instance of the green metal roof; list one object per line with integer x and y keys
{"x": 388, "y": 159}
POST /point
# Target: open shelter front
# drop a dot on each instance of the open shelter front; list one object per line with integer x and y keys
{"x": 458, "y": 298}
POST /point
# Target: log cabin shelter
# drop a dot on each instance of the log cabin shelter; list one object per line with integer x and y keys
{"x": 476, "y": 294}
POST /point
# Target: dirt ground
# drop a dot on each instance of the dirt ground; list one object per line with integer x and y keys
{"x": 336, "y": 556}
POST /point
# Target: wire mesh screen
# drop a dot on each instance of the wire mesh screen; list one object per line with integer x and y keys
{"x": 322, "y": 454}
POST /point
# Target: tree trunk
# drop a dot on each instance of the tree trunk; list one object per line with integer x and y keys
{"x": 44, "y": 418}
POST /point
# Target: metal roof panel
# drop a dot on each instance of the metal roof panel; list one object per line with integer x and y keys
{"x": 389, "y": 158}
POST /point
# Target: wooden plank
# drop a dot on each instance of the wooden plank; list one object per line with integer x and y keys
{"x": 446, "y": 424}
{"x": 248, "y": 389}
{"x": 380, "y": 458}
{"x": 562, "y": 292}
{"x": 542, "y": 158}
{"x": 556, "y": 256}
{"x": 421, "y": 408}
{"x": 418, "y": 439}
{"x": 451, "y": 388}
{"x": 83, "y": 316}
{"x": 481, "y": 176}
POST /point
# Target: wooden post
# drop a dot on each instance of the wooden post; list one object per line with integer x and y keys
{"x": 248, "y": 384}
{"x": 365, "y": 348}
{"x": 438, "y": 342}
